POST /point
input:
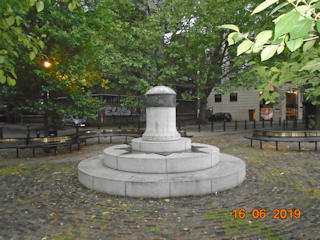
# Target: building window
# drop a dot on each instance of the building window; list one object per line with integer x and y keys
{"x": 217, "y": 97}
{"x": 233, "y": 97}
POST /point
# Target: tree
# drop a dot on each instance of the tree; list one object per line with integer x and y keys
{"x": 296, "y": 36}
{"x": 68, "y": 44}
{"x": 197, "y": 51}
{"x": 138, "y": 56}
{"x": 15, "y": 35}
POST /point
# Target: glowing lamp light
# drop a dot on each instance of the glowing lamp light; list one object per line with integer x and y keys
{"x": 47, "y": 64}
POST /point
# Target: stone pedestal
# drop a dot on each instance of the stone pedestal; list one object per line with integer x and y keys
{"x": 161, "y": 163}
{"x": 161, "y": 115}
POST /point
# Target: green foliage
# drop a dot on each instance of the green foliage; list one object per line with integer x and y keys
{"x": 295, "y": 29}
{"x": 18, "y": 39}
{"x": 297, "y": 25}
{"x": 136, "y": 56}
{"x": 67, "y": 42}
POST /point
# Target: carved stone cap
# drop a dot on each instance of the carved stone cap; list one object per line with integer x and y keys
{"x": 160, "y": 90}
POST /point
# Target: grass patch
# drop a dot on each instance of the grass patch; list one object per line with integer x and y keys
{"x": 21, "y": 170}
{"x": 153, "y": 229}
{"x": 72, "y": 234}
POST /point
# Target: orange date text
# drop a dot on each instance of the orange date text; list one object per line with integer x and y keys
{"x": 263, "y": 213}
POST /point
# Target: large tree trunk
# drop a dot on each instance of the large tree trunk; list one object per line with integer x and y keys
{"x": 203, "y": 109}
{"x": 283, "y": 103}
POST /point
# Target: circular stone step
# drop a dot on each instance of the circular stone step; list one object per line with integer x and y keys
{"x": 121, "y": 157}
{"x": 228, "y": 173}
{"x": 140, "y": 145}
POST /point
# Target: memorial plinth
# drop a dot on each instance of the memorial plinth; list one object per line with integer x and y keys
{"x": 161, "y": 163}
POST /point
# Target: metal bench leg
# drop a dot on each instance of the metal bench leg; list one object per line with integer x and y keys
{"x": 33, "y": 152}
{"x": 277, "y": 146}
{"x": 17, "y": 149}
{"x": 251, "y": 142}
{"x": 78, "y": 146}
{"x": 315, "y": 146}
{"x": 260, "y": 144}
{"x": 299, "y": 146}
{"x": 70, "y": 147}
{"x": 55, "y": 151}
{"x": 126, "y": 139}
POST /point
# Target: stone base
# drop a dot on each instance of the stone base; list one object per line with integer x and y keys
{"x": 227, "y": 173}
{"x": 140, "y": 145}
{"x": 120, "y": 157}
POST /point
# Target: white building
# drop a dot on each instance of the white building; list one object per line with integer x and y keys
{"x": 245, "y": 105}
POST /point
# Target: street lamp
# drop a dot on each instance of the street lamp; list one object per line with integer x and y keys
{"x": 47, "y": 64}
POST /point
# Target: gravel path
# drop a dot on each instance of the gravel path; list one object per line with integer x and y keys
{"x": 41, "y": 198}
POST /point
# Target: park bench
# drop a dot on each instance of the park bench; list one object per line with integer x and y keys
{"x": 67, "y": 141}
{"x": 109, "y": 133}
{"x": 285, "y": 136}
{"x": 33, "y": 143}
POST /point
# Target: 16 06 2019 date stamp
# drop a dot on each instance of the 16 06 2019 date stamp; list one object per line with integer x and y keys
{"x": 263, "y": 213}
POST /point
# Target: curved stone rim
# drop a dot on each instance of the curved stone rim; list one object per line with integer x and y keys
{"x": 147, "y": 144}
{"x": 229, "y": 173}
{"x": 121, "y": 158}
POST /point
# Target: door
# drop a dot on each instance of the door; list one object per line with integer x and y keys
{"x": 252, "y": 114}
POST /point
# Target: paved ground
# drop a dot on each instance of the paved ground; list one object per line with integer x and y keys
{"x": 41, "y": 198}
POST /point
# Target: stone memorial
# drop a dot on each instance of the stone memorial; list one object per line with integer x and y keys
{"x": 161, "y": 163}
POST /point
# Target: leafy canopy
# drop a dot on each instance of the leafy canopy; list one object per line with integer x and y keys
{"x": 295, "y": 36}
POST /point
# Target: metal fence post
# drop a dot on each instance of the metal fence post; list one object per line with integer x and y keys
{"x": 262, "y": 122}
{"x": 28, "y": 134}
{"x": 271, "y": 122}
{"x": 245, "y": 124}
{"x": 306, "y": 123}
{"x": 224, "y": 125}
{"x": 211, "y": 126}
{"x": 235, "y": 125}
{"x": 1, "y": 131}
